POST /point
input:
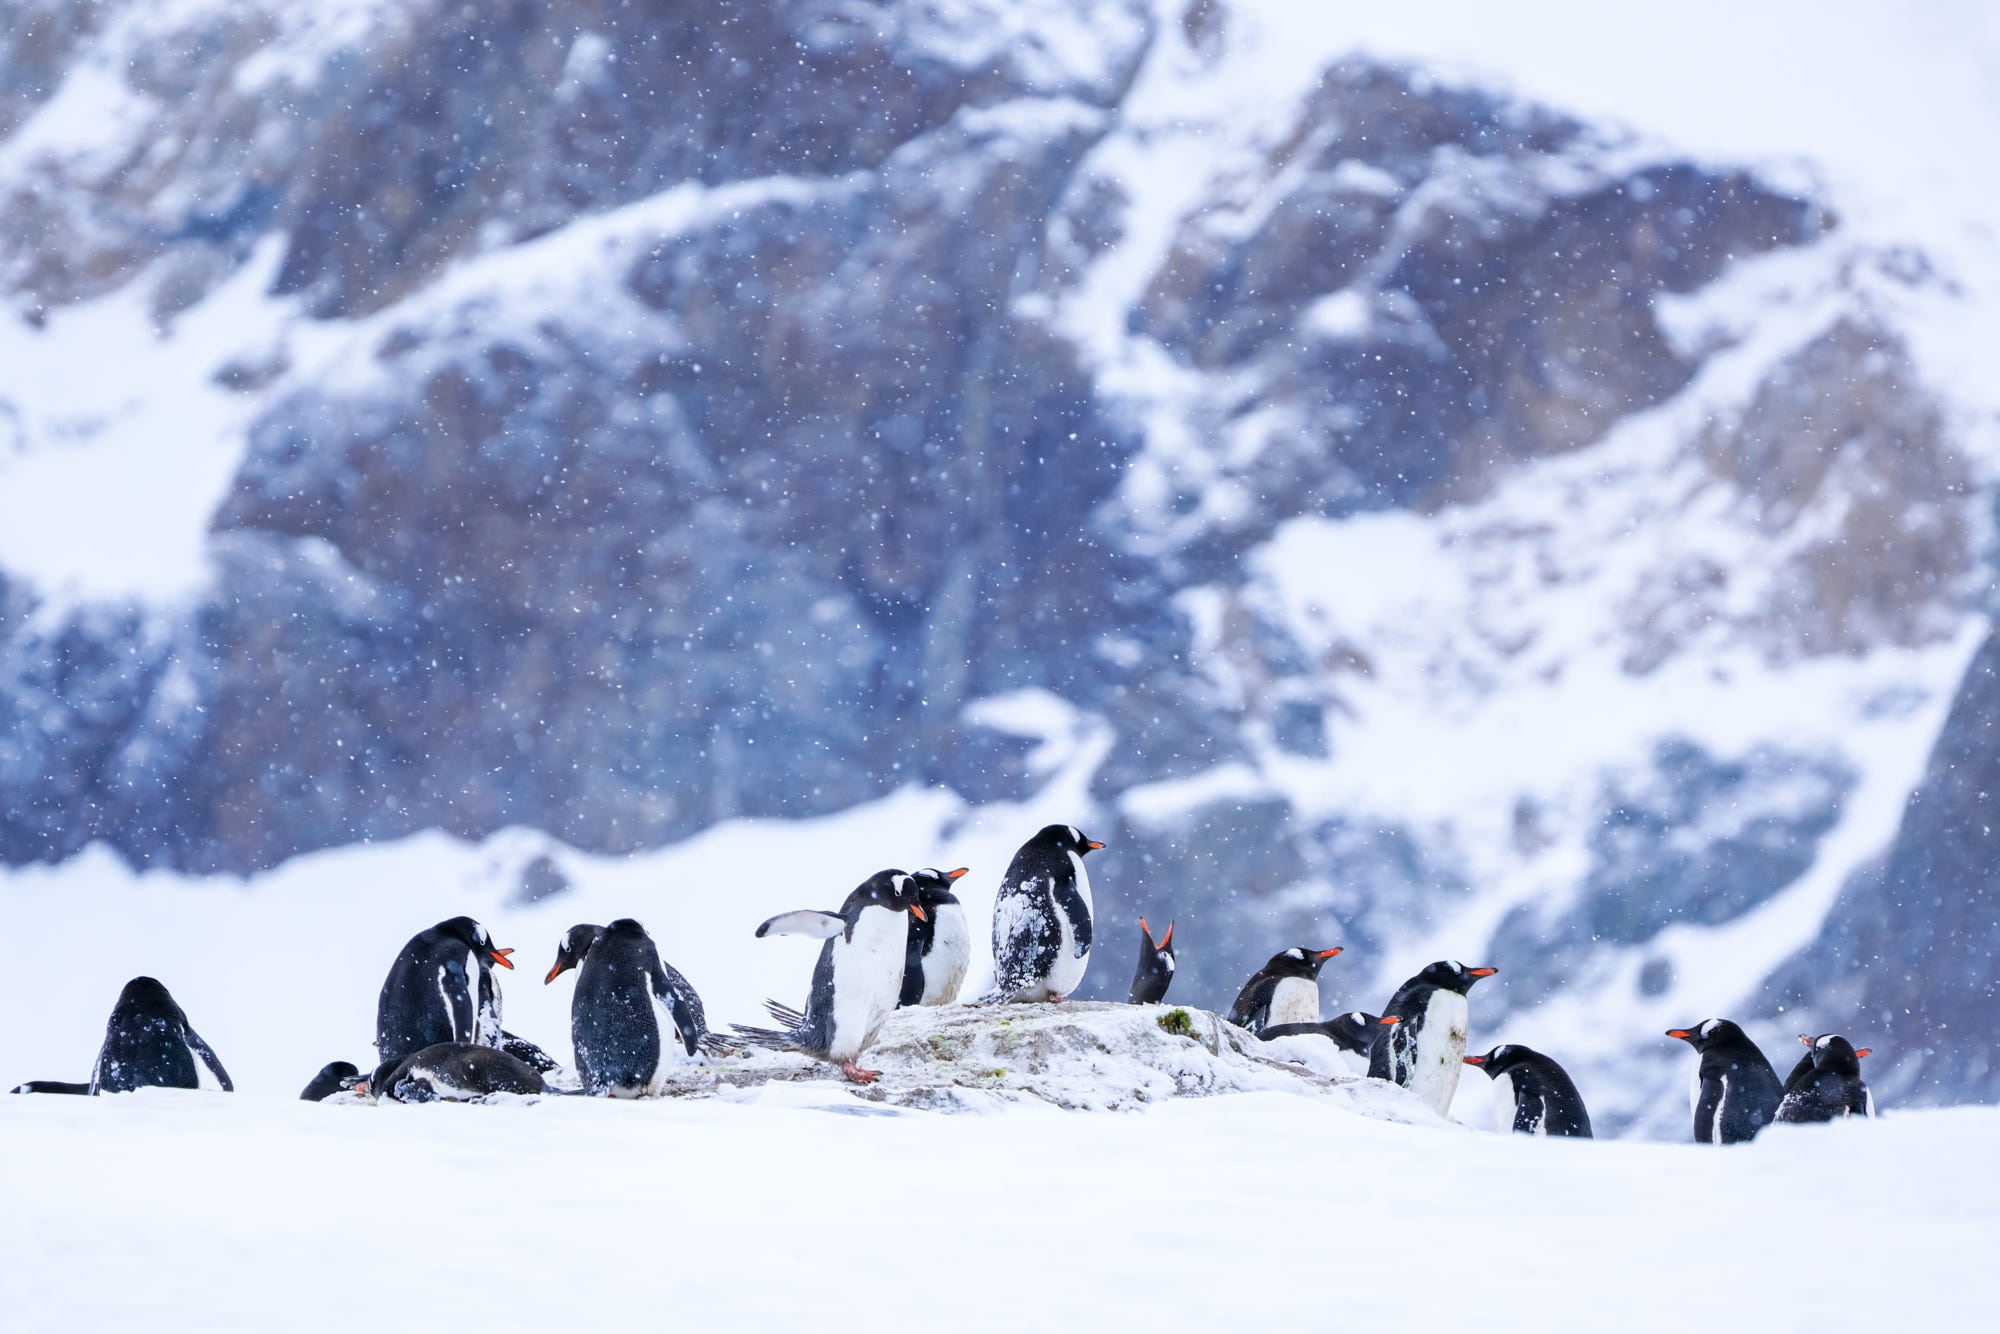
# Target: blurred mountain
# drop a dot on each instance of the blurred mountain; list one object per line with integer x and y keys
{"x": 1440, "y": 525}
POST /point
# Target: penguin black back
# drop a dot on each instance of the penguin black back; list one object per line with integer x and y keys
{"x": 1735, "y": 1090}
{"x": 1042, "y": 918}
{"x": 1541, "y": 1098}
{"x": 148, "y": 1043}
{"x": 1826, "y": 1084}
{"x": 624, "y": 1014}
{"x": 440, "y": 989}
{"x": 1353, "y": 1032}
{"x": 333, "y": 1077}
{"x": 1285, "y": 991}
{"x": 1156, "y": 967}
{"x": 453, "y": 1071}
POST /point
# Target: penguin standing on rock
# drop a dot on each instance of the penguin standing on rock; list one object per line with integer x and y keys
{"x": 1284, "y": 991}
{"x": 940, "y": 947}
{"x": 858, "y": 978}
{"x": 453, "y": 1072}
{"x": 1735, "y": 1091}
{"x": 575, "y": 948}
{"x": 333, "y": 1077}
{"x": 1042, "y": 918}
{"x": 1826, "y": 1083}
{"x": 1353, "y": 1032}
{"x": 1156, "y": 967}
{"x": 1421, "y": 1042}
{"x": 441, "y": 989}
{"x": 148, "y": 1043}
{"x": 624, "y": 1016}
{"x": 1532, "y": 1094}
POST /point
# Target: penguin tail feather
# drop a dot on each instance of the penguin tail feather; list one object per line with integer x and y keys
{"x": 772, "y": 1039}
{"x": 717, "y": 1044}
{"x": 785, "y": 1014}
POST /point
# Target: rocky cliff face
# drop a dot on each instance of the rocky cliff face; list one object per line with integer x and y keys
{"x": 1470, "y": 529}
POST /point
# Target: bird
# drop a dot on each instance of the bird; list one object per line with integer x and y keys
{"x": 148, "y": 1043}
{"x": 1734, "y": 1092}
{"x": 333, "y": 1077}
{"x": 441, "y": 989}
{"x": 453, "y": 1072}
{"x": 1826, "y": 1083}
{"x": 1155, "y": 972}
{"x": 1284, "y": 991}
{"x": 940, "y": 947}
{"x": 1352, "y": 1032}
{"x": 575, "y": 947}
{"x": 1041, "y": 918}
{"x": 857, "y": 979}
{"x": 1421, "y": 1042}
{"x": 1533, "y": 1095}
{"x": 625, "y": 1018}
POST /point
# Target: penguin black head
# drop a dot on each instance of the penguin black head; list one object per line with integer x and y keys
{"x": 1709, "y": 1033}
{"x": 934, "y": 886}
{"x": 1500, "y": 1060}
{"x": 476, "y": 938}
{"x": 894, "y": 890}
{"x": 1299, "y": 961}
{"x": 1832, "y": 1052}
{"x": 1353, "y": 1031}
{"x": 1453, "y": 975}
{"x": 333, "y": 1077}
{"x": 576, "y": 943}
{"x": 146, "y": 995}
{"x": 1066, "y": 838}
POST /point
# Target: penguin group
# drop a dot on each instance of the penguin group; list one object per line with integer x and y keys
{"x": 903, "y": 938}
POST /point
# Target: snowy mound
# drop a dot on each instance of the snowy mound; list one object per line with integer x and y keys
{"x": 1079, "y": 1055}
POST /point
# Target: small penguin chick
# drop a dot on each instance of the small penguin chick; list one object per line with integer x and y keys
{"x": 1155, "y": 972}
{"x": 333, "y": 1077}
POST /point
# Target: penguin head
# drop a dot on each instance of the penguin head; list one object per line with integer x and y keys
{"x": 1162, "y": 949}
{"x": 1708, "y": 1033}
{"x": 477, "y": 939}
{"x": 1832, "y": 1052}
{"x": 148, "y": 996}
{"x": 1500, "y": 1060}
{"x": 338, "y": 1076}
{"x": 1453, "y": 975}
{"x": 576, "y": 943}
{"x": 1067, "y": 838}
{"x": 1299, "y": 961}
{"x": 1354, "y": 1030}
{"x": 894, "y": 890}
{"x": 934, "y": 886}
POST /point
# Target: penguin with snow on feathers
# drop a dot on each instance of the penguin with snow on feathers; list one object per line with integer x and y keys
{"x": 1735, "y": 1091}
{"x": 1532, "y": 1094}
{"x": 1421, "y": 1038}
{"x": 690, "y": 1018}
{"x": 454, "y": 1072}
{"x": 1283, "y": 992}
{"x": 1826, "y": 1083}
{"x": 940, "y": 947}
{"x": 1156, "y": 967}
{"x": 624, "y": 1017}
{"x": 1353, "y": 1032}
{"x": 1042, "y": 918}
{"x": 441, "y": 989}
{"x": 858, "y": 978}
{"x": 148, "y": 1043}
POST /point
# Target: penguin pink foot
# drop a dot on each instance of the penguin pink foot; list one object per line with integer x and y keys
{"x": 857, "y": 1074}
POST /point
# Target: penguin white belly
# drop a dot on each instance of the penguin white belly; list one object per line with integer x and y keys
{"x": 1440, "y": 1053}
{"x": 867, "y": 978}
{"x": 1067, "y": 972}
{"x": 670, "y": 1047}
{"x": 1503, "y": 1104}
{"x": 1295, "y": 1000}
{"x": 951, "y": 953}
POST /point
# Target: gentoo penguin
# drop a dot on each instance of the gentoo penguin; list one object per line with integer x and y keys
{"x": 49, "y": 1086}
{"x": 148, "y": 1043}
{"x": 1352, "y": 1032}
{"x": 333, "y": 1077}
{"x": 575, "y": 948}
{"x": 858, "y": 977}
{"x": 1284, "y": 991}
{"x": 1735, "y": 1092}
{"x": 940, "y": 945}
{"x": 453, "y": 1072}
{"x": 1041, "y": 919}
{"x": 628, "y": 1026}
{"x": 1826, "y": 1083}
{"x": 1156, "y": 966}
{"x": 1421, "y": 1042}
{"x": 1532, "y": 1094}
{"x": 441, "y": 989}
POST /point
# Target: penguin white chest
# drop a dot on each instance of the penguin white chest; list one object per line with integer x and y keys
{"x": 951, "y": 952}
{"x": 867, "y": 978}
{"x": 1440, "y": 1053}
{"x": 1503, "y": 1103}
{"x": 1294, "y": 1000}
{"x": 1067, "y": 971}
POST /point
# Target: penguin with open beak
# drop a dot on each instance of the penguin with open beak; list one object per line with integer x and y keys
{"x": 1156, "y": 966}
{"x": 441, "y": 989}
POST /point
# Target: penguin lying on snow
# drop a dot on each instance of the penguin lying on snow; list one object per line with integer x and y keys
{"x": 683, "y": 998}
{"x": 1284, "y": 991}
{"x": 1156, "y": 967}
{"x": 441, "y": 989}
{"x": 148, "y": 1043}
{"x": 1352, "y": 1032}
{"x": 333, "y": 1077}
{"x": 940, "y": 947}
{"x": 453, "y": 1072}
{"x": 1734, "y": 1092}
{"x": 1826, "y": 1083}
{"x": 857, "y": 979}
{"x": 1421, "y": 1042}
{"x": 1042, "y": 918}
{"x": 1533, "y": 1095}
{"x": 625, "y": 1017}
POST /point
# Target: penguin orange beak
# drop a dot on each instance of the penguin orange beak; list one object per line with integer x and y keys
{"x": 1168, "y": 938}
{"x": 1475, "y": 1060}
{"x": 953, "y": 875}
{"x": 1389, "y": 1019}
{"x": 555, "y": 971}
{"x": 919, "y": 912}
{"x": 1680, "y": 1033}
{"x": 1862, "y": 1051}
{"x": 1481, "y": 972}
{"x": 1093, "y": 845}
{"x": 500, "y": 957}
{"x": 1328, "y": 954}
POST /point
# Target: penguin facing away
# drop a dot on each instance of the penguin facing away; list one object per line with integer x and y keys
{"x": 453, "y": 1072}
{"x": 1826, "y": 1084}
{"x": 575, "y": 948}
{"x": 1284, "y": 991}
{"x": 1735, "y": 1091}
{"x": 940, "y": 947}
{"x": 441, "y": 989}
{"x": 1421, "y": 1042}
{"x": 333, "y": 1077}
{"x": 148, "y": 1043}
{"x": 1042, "y": 918}
{"x": 625, "y": 1019}
{"x": 1353, "y": 1032}
{"x": 858, "y": 978}
{"x": 1533, "y": 1095}
{"x": 1156, "y": 967}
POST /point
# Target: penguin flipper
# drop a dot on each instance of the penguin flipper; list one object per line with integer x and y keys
{"x": 1070, "y": 900}
{"x": 674, "y": 1002}
{"x": 52, "y": 1086}
{"x": 804, "y": 922}
{"x": 210, "y": 1059}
